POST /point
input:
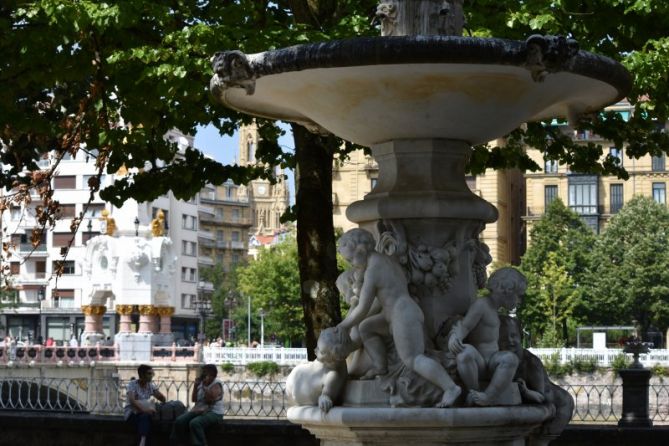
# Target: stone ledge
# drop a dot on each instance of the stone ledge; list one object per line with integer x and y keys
{"x": 64, "y": 429}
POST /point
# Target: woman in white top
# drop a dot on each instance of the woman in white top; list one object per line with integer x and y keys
{"x": 207, "y": 394}
{"x": 138, "y": 408}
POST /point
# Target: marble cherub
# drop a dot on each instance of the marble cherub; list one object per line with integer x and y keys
{"x": 384, "y": 281}
{"x": 480, "y": 356}
{"x": 534, "y": 383}
{"x": 321, "y": 382}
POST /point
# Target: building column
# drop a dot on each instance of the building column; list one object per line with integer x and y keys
{"x": 93, "y": 332}
{"x": 147, "y": 318}
{"x": 165, "y": 314}
{"x": 125, "y": 322}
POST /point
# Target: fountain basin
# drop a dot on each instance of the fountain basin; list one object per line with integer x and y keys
{"x": 373, "y": 90}
{"x": 426, "y": 426}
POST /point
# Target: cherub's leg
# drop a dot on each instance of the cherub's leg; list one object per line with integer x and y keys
{"x": 410, "y": 346}
{"x": 371, "y": 331}
{"x": 469, "y": 363}
{"x": 503, "y": 364}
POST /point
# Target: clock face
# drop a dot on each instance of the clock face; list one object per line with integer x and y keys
{"x": 262, "y": 189}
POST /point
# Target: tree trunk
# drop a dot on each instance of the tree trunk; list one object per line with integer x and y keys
{"x": 315, "y": 233}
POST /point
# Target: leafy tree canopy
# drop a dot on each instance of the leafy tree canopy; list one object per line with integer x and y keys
{"x": 558, "y": 252}
{"x": 630, "y": 267}
{"x": 272, "y": 281}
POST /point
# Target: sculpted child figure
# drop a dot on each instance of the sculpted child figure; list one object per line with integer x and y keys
{"x": 480, "y": 357}
{"x": 322, "y": 381}
{"x": 384, "y": 280}
{"x": 534, "y": 384}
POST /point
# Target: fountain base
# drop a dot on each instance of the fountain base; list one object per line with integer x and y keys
{"x": 357, "y": 426}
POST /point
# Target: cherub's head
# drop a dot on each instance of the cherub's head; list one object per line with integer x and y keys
{"x": 506, "y": 286}
{"x": 355, "y": 246}
{"x": 330, "y": 349}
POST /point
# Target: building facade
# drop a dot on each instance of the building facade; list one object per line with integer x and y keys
{"x": 595, "y": 198}
{"x": 268, "y": 201}
{"x": 41, "y": 305}
{"x": 225, "y": 221}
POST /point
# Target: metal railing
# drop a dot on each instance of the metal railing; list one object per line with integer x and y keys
{"x": 88, "y": 355}
{"x": 108, "y": 396}
{"x": 257, "y": 399}
{"x": 603, "y": 357}
{"x": 244, "y": 355}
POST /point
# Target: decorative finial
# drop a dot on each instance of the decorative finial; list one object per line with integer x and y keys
{"x": 158, "y": 224}
{"x": 108, "y": 225}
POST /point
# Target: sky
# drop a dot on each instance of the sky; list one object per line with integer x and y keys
{"x": 224, "y": 149}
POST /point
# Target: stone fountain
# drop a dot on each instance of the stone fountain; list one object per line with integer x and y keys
{"x": 419, "y": 358}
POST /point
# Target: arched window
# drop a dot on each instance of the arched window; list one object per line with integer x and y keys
{"x": 250, "y": 151}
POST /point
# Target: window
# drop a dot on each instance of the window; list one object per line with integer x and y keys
{"x": 220, "y": 213}
{"x": 187, "y": 301}
{"x": 235, "y": 236}
{"x": 188, "y": 274}
{"x": 235, "y": 215}
{"x": 188, "y": 248}
{"x": 67, "y": 210}
{"x": 660, "y": 193}
{"x": 550, "y": 194}
{"x": 616, "y": 153}
{"x": 86, "y": 236}
{"x": 65, "y": 182}
{"x": 154, "y": 212}
{"x": 15, "y": 213}
{"x": 228, "y": 193}
{"x": 658, "y": 164}
{"x": 583, "y": 195}
{"x": 63, "y": 298}
{"x": 235, "y": 259}
{"x": 372, "y": 182}
{"x": 616, "y": 192}
{"x": 220, "y": 235}
{"x": 250, "y": 150}
{"x": 61, "y": 239}
{"x": 15, "y": 268}
{"x": 68, "y": 267}
{"x": 94, "y": 210}
{"x": 550, "y": 166}
{"x": 189, "y": 222}
{"x": 40, "y": 269}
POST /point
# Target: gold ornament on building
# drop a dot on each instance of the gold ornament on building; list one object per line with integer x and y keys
{"x": 158, "y": 224}
{"x": 93, "y": 310}
{"x": 108, "y": 226}
{"x": 165, "y": 311}
{"x": 147, "y": 310}
{"x": 124, "y": 309}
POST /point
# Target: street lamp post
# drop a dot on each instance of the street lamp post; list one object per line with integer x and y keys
{"x": 202, "y": 306}
{"x": 261, "y": 312}
{"x": 230, "y": 303}
{"x": 248, "y": 323}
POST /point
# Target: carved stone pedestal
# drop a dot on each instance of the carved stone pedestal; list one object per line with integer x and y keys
{"x": 93, "y": 332}
{"x": 426, "y": 427}
{"x": 635, "y": 398}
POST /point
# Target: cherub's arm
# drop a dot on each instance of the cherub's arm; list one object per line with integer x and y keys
{"x": 333, "y": 384}
{"x": 365, "y": 302}
{"x": 466, "y": 325}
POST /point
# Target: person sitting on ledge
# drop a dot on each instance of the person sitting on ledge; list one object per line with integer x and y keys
{"x": 139, "y": 409}
{"x": 208, "y": 410}
{"x": 481, "y": 356}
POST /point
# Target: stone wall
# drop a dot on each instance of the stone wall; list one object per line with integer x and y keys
{"x": 37, "y": 429}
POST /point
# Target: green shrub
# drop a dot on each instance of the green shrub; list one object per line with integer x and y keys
{"x": 620, "y": 362}
{"x": 263, "y": 368}
{"x": 228, "y": 367}
{"x": 588, "y": 365}
{"x": 659, "y": 371}
{"x": 555, "y": 369}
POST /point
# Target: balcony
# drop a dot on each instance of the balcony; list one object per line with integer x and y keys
{"x": 39, "y": 250}
{"x": 204, "y": 260}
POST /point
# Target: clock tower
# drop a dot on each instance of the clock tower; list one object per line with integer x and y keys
{"x": 268, "y": 201}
